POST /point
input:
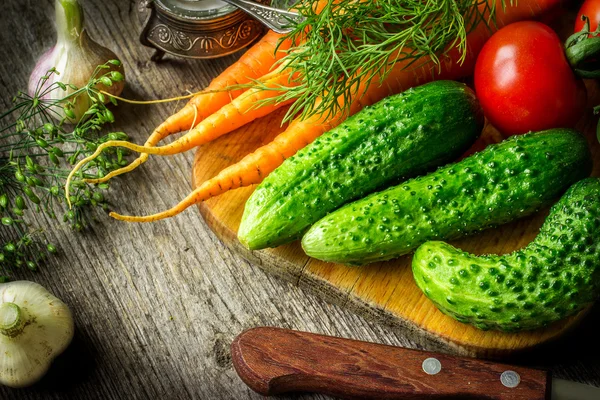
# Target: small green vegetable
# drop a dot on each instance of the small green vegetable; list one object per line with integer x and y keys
{"x": 557, "y": 275}
{"x": 502, "y": 183}
{"x": 399, "y": 137}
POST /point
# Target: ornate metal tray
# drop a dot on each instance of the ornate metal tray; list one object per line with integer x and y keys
{"x": 196, "y": 28}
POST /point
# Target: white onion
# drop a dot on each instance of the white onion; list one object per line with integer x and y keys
{"x": 75, "y": 56}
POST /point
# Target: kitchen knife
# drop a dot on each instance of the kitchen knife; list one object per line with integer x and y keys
{"x": 273, "y": 361}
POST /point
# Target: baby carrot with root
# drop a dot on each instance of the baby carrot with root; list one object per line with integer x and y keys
{"x": 239, "y": 112}
{"x": 250, "y": 170}
{"x": 256, "y": 63}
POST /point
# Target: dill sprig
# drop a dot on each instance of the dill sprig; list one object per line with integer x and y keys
{"x": 350, "y": 43}
{"x": 36, "y": 155}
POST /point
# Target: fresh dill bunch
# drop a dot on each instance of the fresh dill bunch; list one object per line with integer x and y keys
{"x": 36, "y": 155}
{"x": 349, "y": 43}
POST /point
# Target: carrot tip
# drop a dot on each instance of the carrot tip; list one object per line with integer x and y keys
{"x": 131, "y": 218}
{"x": 84, "y": 161}
{"x": 134, "y": 164}
{"x": 116, "y": 216}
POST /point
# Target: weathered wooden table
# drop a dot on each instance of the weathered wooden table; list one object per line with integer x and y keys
{"x": 157, "y": 305}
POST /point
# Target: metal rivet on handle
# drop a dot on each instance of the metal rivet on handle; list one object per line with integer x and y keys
{"x": 432, "y": 366}
{"x": 510, "y": 379}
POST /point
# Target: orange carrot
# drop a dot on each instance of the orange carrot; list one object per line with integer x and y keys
{"x": 257, "y": 62}
{"x": 254, "y": 64}
{"x": 239, "y": 112}
{"x": 251, "y": 169}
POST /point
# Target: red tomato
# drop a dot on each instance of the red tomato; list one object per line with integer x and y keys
{"x": 524, "y": 82}
{"x": 591, "y": 9}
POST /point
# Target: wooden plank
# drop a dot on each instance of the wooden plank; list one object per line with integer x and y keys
{"x": 157, "y": 306}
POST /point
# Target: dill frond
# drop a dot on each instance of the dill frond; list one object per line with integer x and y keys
{"x": 352, "y": 42}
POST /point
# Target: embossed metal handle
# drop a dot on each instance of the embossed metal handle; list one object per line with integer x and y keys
{"x": 280, "y": 21}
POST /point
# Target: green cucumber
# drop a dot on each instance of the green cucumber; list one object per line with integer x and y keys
{"x": 504, "y": 182}
{"x": 399, "y": 137}
{"x": 557, "y": 275}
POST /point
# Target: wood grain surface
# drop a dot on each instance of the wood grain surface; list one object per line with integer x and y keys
{"x": 157, "y": 306}
{"x": 274, "y": 361}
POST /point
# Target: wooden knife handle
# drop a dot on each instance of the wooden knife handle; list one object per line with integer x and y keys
{"x": 273, "y": 361}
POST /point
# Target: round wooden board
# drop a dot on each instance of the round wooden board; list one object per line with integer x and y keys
{"x": 383, "y": 291}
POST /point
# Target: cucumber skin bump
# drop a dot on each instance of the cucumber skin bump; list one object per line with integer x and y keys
{"x": 556, "y": 275}
{"x": 504, "y": 182}
{"x": 399, "y": 137}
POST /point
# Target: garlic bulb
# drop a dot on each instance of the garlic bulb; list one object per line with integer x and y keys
{"x": 35, "y": 327}
{"x": 75, "y": 56}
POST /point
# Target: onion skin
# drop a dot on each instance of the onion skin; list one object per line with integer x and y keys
{"x": 75, "y": 56}
{"x": 46, "y": 332}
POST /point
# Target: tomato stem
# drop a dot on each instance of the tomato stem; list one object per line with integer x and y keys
{"x": 583, "y": 53}
{"x": 583, "y": 56}
{"x": 583, "y": 49}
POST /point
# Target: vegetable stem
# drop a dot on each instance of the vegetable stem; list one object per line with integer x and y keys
{"x": 69, "y": 19}
{"x": 583, "y": 51}
{"x": 12, "y": 321}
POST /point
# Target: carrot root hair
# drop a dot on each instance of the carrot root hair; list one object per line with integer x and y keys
{"x": 248, "y": 171}
{"x": 157, "y": 136}
{"x": 111, "y": 143}
{"x": 99, "y": 150}
{"x": 193, "y": 198}
{"x": 186, "y": 142}
{"x": 163, "y": 132}
{"x": 170, "y": 99}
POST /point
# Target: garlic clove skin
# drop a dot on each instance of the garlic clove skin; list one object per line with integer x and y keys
{"x": 75, "y": 56}
{"x": 45, "y": 329}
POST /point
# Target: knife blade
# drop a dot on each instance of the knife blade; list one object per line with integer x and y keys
{"x": 273, "y": 361}
{"x": 567, "y": 390}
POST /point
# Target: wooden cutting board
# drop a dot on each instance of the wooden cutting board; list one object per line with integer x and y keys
{"x": 384, "y": 291}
